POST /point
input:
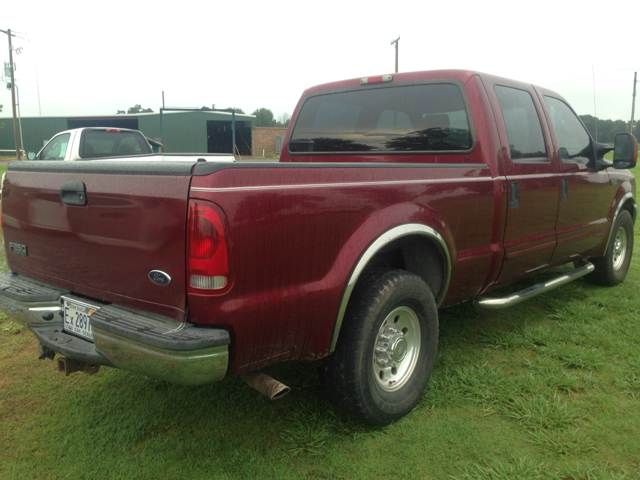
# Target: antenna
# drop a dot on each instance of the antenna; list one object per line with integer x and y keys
{"x": 633, "y": 101}
{"x": 595, "y": 114}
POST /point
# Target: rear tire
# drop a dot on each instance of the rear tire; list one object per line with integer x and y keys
{"x": 612, "y": 268}
{"x": 386, "y": 349}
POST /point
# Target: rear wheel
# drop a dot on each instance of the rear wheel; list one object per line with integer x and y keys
{"x": 612, "y": 268}
{"x": 386, "y": 349}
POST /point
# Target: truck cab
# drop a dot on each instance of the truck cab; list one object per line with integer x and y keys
{"x": 95, "y": 142}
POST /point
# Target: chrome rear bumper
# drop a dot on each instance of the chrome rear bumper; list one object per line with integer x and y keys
{"x": 141, "y": 342}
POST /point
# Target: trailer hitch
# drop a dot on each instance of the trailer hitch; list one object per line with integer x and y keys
{"x": 67, "y": 366}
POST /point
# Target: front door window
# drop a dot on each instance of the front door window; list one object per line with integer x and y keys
{"x": 56, "y": 148}
{"x": 573, "y": 140}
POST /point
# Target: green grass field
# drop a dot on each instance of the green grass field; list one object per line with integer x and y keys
{"x": 547, "y": 389}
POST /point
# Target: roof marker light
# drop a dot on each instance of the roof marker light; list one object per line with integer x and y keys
{"x": 378, "y": 79}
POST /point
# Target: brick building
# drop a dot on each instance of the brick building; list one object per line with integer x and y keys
{"x": 264, "y": 139}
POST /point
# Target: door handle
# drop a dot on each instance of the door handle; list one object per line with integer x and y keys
{"x": 514, "y": 195}
{"x": 565, "y": 189}
{"x": 74, "y": 193}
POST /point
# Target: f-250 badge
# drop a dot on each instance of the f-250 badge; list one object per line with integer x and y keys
{"x": 159, "y": 278}
{"x": 19, "y": 248}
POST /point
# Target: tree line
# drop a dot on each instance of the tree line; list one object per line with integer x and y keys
{"x": 135, "y": 109}
{"x": 607, "y": 129}
{"x": 264, "y": 116}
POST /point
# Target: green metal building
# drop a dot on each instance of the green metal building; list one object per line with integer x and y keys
{"x": 192, "y": 131}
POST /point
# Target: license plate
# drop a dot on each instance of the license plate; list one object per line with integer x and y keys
{"x": 77, "y": 317}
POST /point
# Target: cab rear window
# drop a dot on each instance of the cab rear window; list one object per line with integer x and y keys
{"x": 109, "y": 143}
{"x": 410, "y": 118}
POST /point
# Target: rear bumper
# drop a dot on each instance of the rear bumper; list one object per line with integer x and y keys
{"x": 141, "y": 342}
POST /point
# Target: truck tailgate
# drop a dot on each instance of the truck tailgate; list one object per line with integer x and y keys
{"x": 133, "y": 222}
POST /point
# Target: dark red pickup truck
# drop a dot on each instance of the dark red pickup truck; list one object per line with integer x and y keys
{"x": 394, "y": 196}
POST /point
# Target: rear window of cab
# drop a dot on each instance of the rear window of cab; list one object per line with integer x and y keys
{"x": 112, "y": 143}
{"x": 429, "y": 117}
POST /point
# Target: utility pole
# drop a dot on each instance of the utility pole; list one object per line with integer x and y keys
{"x": 162, "y": 125}
{"x": 396, "y": 44}
{"x": 233, "y": 132}
{"x": 13, "y": 94}
{"x": 19, "y": 121}
{"x": 633, "y": 101}
{"x": 38, "y": 87}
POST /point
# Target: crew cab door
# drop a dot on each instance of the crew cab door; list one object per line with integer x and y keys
{"x": 586, "y": 195}
{"x": 532, "y": 181}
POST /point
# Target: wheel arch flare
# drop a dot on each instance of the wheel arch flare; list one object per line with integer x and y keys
{"x": 410, "y": 235}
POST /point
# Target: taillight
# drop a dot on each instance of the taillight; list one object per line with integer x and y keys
{"x": 208, "y": 259}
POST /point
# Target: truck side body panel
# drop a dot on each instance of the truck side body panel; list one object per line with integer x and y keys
{"x": 297, "y": 233}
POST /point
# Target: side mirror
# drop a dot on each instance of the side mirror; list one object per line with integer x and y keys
{"x": 31, "y": 155}
{"x": 625, "y": 151}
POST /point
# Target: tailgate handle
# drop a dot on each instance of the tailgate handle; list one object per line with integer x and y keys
{"x": 74, "y": 193}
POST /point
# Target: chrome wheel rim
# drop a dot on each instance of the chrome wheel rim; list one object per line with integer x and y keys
{"x": 619, "y": 248}
{"x": 397, "y": 348}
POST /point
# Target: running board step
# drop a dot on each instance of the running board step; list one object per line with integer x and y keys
{"x": 495, "y": 303}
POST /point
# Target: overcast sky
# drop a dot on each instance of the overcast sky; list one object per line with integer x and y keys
{"x": 94, "y": 58}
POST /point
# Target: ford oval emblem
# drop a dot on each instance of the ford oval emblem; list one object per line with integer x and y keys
{"x": 159, "y": 278}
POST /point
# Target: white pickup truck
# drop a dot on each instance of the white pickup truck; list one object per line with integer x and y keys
{"x": 105, "y": 142}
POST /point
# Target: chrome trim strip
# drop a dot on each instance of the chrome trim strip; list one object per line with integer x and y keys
{"x": 533, "y": 291}
{"x": 622, "y": 201}
{"x": 383, "y": 240}
{"x": 329, "y": 185}
{"x": 45, "y": 309}
{"x": 207, "y": 168}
